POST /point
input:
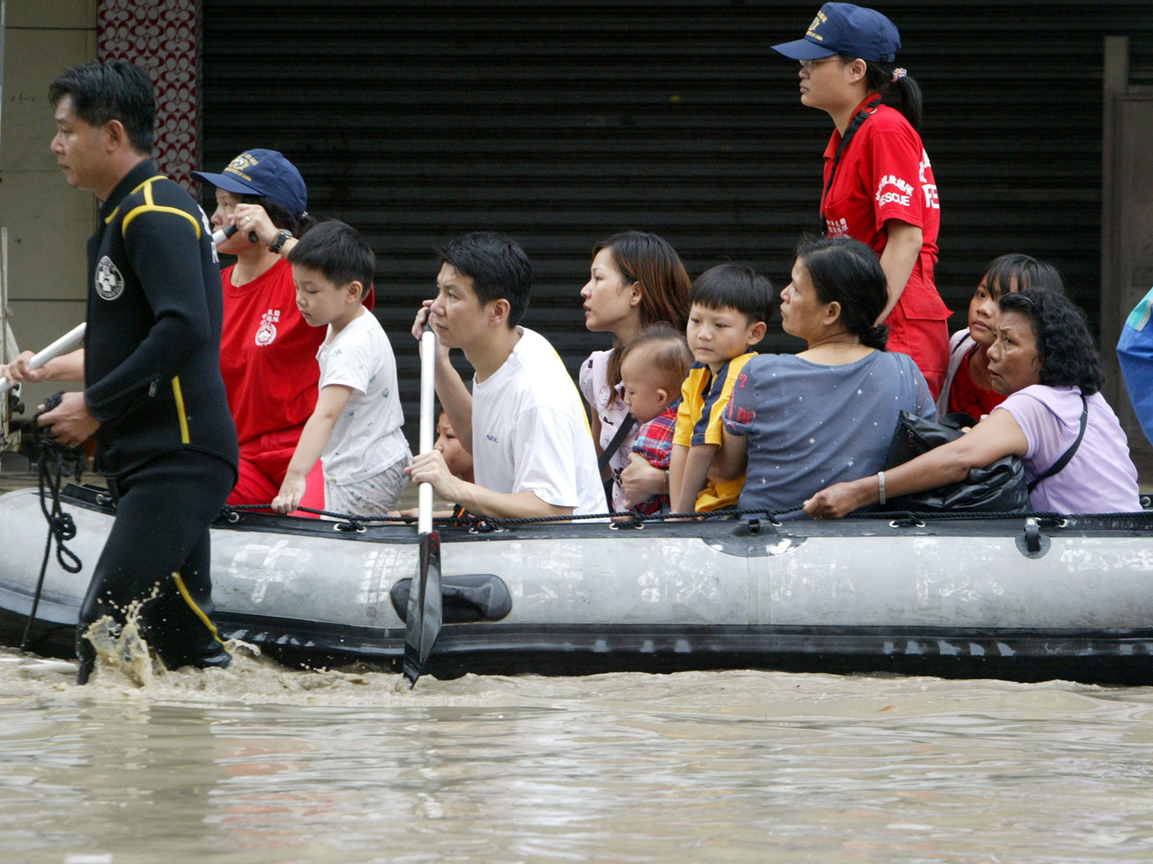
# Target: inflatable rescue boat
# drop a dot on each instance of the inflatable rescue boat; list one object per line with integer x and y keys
{"x": 1024, "y": 597}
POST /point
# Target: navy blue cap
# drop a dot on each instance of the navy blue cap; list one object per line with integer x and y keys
{"x": 842, "y": 28}
{"x": 262, "y": 172}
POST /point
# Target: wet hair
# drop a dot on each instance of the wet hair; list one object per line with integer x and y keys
{"x": 665, "y": 284}
{"x": 338, "y": 252}
{"x": 904, "y": 94}
{"x": 498, "y": 267}
{"x": 666, "y": 352}
{"x": 1065, "y": 347}
{"x": 848, "y": 272}
{"x": 1028, "y": 272}
{"x": 734, "y": 286}
{"x": 280, "y": 215}
{"x": 115, "y": 90}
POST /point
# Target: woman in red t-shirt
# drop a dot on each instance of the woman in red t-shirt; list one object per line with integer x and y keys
{"x": 267, "y": 350}
{"x": 967, "y": 388}
{"x": 879, "y": 186}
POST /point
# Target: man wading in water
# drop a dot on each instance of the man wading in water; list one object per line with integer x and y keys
{"x": 153, "y": 396}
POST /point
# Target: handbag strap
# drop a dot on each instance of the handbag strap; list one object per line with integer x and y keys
{"x": 1068, "y": 454}
{"x": 627, "y": 425}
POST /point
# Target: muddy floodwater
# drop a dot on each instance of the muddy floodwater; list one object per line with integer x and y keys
{"x": 259, "y": 763}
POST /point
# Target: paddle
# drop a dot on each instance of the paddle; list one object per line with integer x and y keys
{"x": 424, "y": 598}
{"x": 222, "y": 234}
{"x": 52, "y": 351}
{"x": 77, "y": 333}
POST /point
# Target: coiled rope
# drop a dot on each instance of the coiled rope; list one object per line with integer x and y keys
{"x": 54, "y": 462}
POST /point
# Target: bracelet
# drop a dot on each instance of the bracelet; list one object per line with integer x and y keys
{"x": 278, "y": 242}
{"x": 881, "y": 486}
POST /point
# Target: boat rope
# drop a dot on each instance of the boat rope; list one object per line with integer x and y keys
{"x": 345, "y": 521}
{"x": 355, "y": 520}
{"x": 54, "y": 462}
{"x": 633, "y": 519}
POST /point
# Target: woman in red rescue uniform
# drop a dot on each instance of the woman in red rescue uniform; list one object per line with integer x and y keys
{"x": 267, "y": 350}
{"x": 879, "y": 186}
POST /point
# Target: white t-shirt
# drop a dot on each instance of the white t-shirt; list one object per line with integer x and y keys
{"x": 367, "y": 437}
{"x": 530, "y": 433}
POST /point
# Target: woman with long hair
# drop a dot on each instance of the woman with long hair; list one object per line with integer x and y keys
{"x": 636, "y": 280}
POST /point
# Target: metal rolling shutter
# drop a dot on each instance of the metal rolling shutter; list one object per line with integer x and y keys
{"x": 562, "y": 123}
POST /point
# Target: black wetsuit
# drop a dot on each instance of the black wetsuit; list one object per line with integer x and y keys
{"x": 166, "y": 441}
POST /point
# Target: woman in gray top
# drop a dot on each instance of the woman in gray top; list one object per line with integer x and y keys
{"x": 801, "y": 422}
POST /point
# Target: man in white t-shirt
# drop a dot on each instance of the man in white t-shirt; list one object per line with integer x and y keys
{"x": 524, "y": 422}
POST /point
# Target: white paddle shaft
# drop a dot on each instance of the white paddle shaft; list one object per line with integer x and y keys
{"x": 222, "y": 234}
{"x": 427, "y": 423}
{"x": 52, "y": 351}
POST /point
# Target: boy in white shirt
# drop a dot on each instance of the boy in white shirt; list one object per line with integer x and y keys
{"x": 524, "y": 421}
{"x": 355, "y": 430}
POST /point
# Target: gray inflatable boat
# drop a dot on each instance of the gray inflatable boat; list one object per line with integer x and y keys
{"x": 1020, "y": 597}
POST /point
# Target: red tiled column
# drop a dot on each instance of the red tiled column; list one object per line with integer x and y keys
{"x": 163, "y": 36}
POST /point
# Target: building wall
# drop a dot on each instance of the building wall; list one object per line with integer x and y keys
{"x": 48, "y": 222}
{"x": 562, "y": 122}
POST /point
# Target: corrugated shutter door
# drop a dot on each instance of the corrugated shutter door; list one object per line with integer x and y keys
{"x": 562, "y": 123}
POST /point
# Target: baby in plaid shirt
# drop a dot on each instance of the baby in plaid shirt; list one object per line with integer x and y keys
{"x": 653, "y": 367}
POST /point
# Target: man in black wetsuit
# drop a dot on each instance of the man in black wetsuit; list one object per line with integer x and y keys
{"x": 153, "y": 396}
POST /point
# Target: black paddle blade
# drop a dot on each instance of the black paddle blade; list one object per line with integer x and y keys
{"x": 424, "y": 608}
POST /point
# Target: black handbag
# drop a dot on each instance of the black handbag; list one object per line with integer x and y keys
{"x": 997, "y": 487}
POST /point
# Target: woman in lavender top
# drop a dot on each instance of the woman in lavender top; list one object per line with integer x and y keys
{"x": 1046, "y": 363}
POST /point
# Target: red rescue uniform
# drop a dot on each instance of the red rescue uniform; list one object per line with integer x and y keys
{"x": 884, "y": 173}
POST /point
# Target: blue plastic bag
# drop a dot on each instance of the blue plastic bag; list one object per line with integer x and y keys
{"x": 1135, "y": 351}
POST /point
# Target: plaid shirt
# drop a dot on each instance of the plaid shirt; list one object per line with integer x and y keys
{"x": 655, "y": 443}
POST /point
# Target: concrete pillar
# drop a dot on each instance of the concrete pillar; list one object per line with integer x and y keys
{"x": 48, "y": 221}
{"x": 1115, "y": 81}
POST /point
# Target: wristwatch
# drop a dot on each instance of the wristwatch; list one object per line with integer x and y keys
{"x": 279, "y": 240}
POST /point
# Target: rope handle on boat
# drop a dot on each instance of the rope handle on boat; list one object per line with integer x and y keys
{"x": 633, "y": 519}
{"x": 629, "y": 517}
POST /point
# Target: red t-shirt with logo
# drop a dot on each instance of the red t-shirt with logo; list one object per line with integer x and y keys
{"x": 884, "y": 173}
{"x": 268, "y": 353}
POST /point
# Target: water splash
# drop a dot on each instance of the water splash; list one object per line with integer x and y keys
{"x": 120, "y": 648}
